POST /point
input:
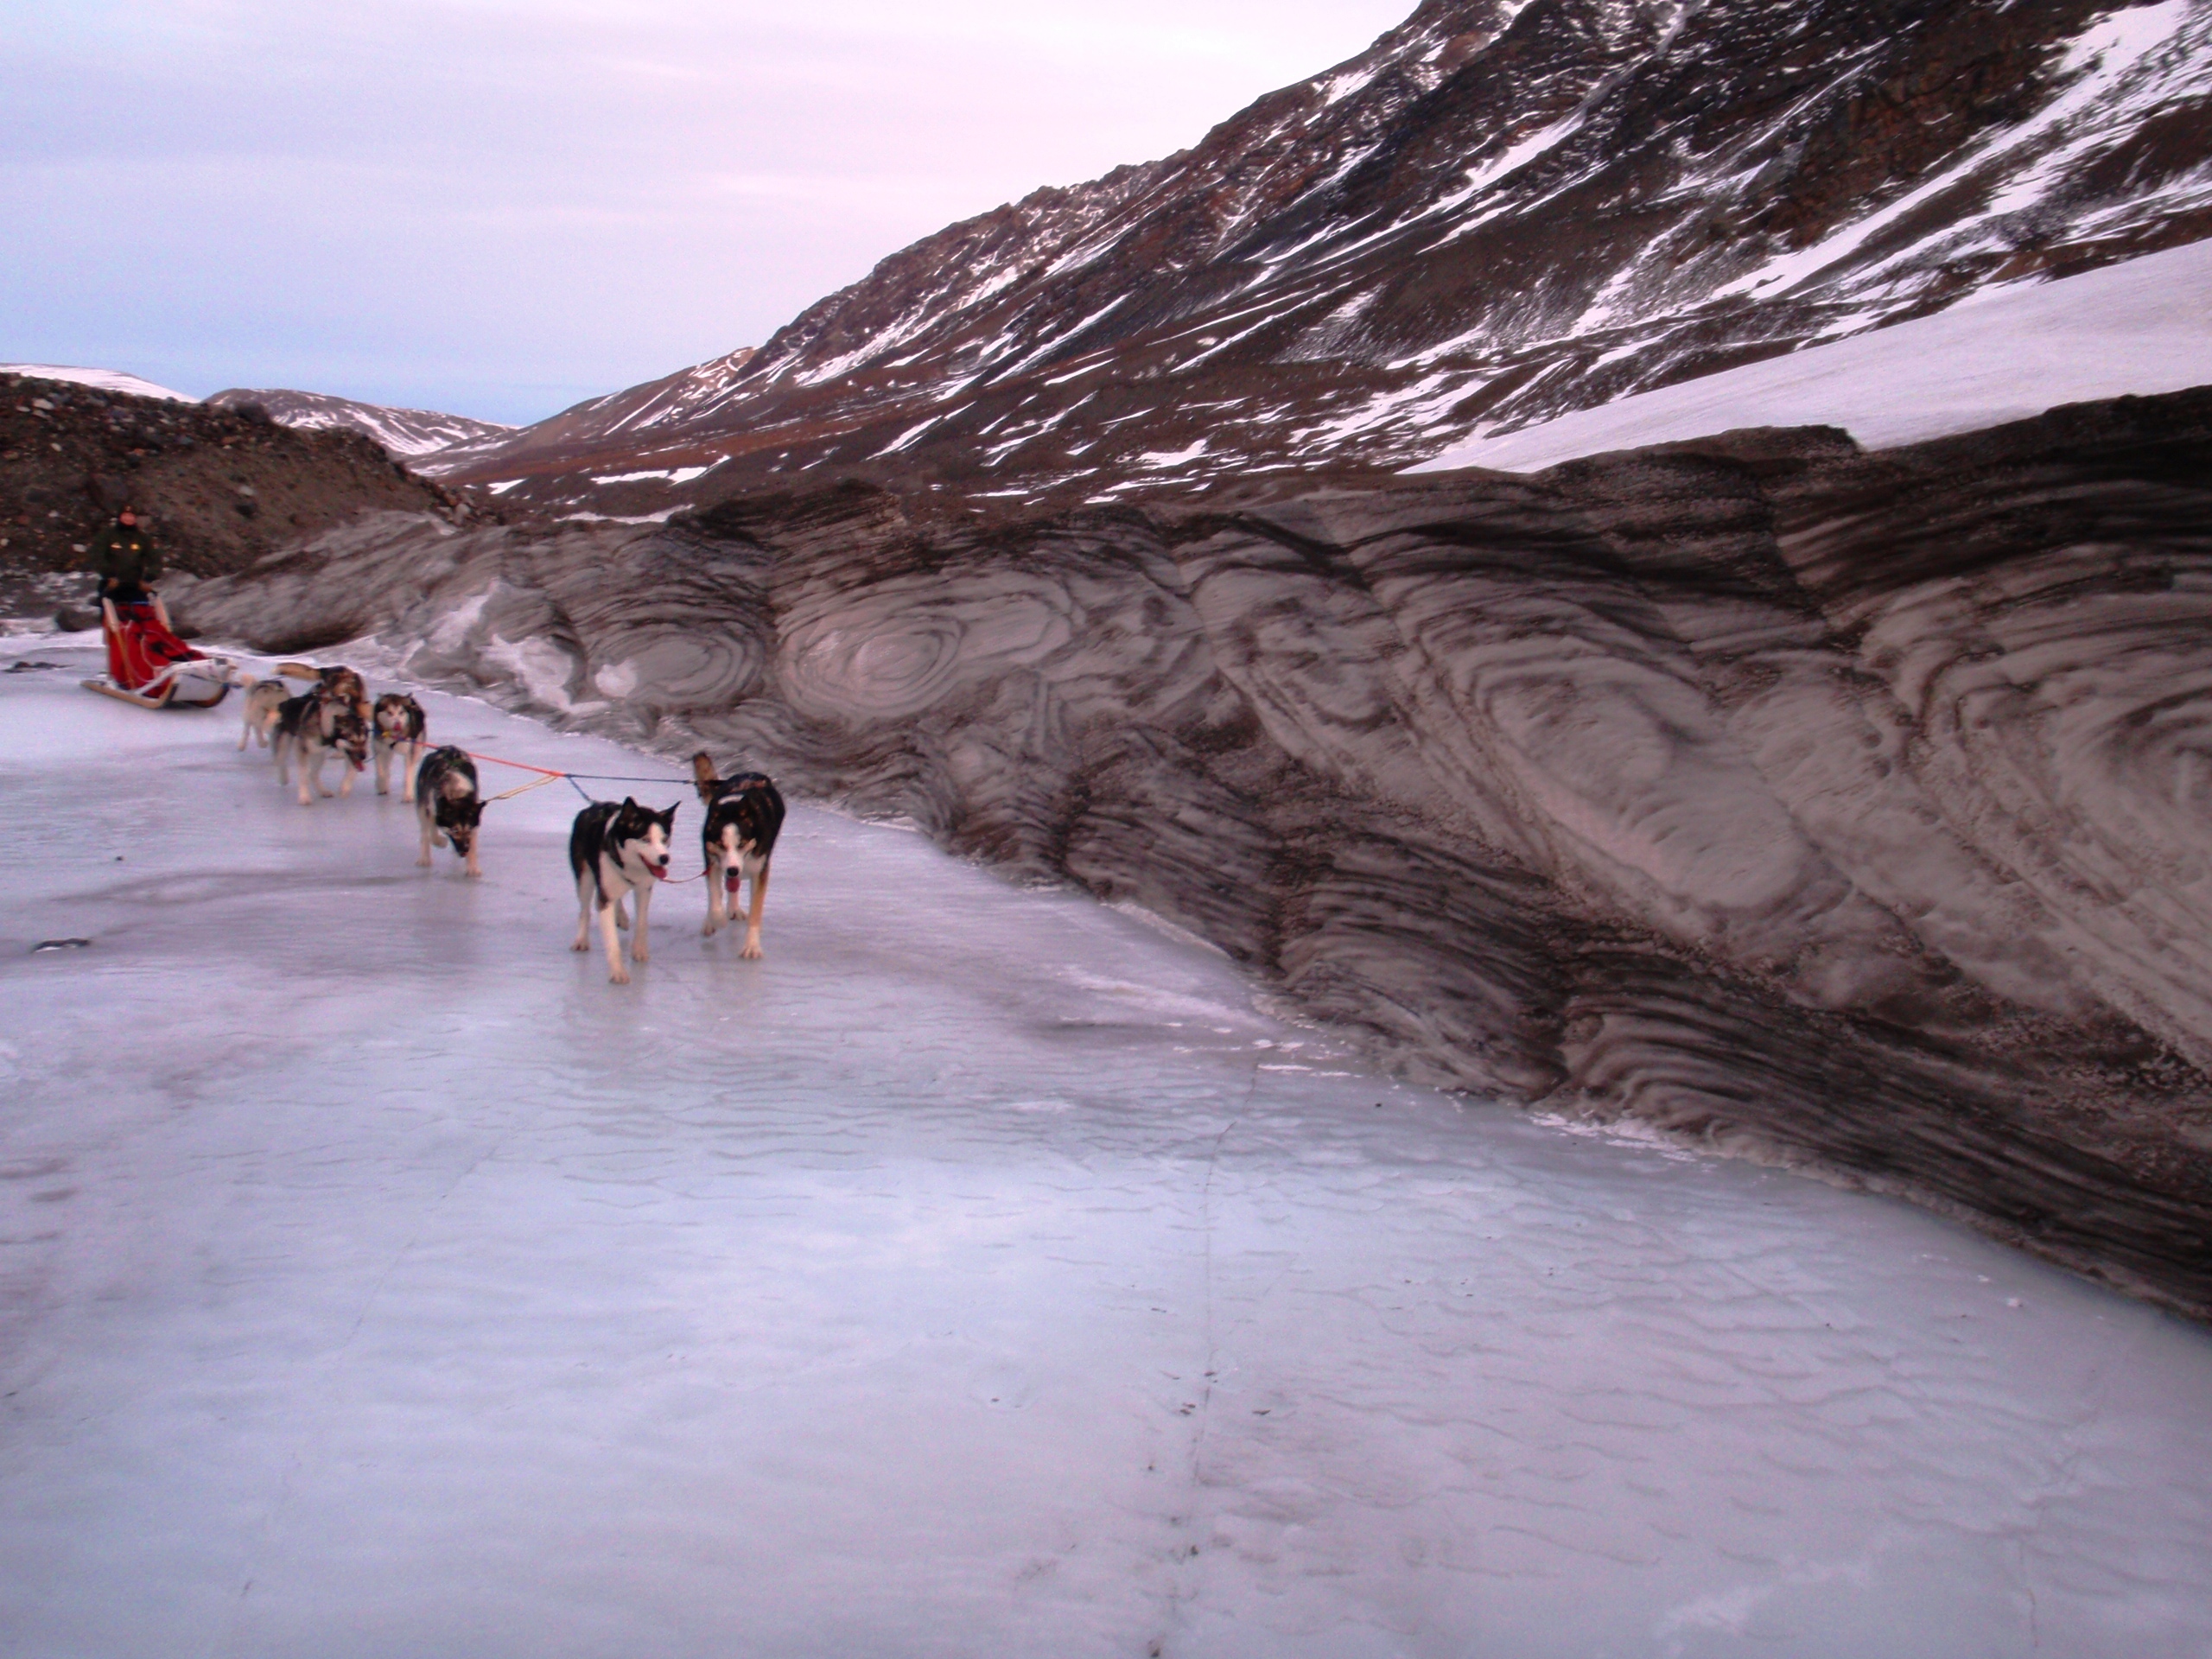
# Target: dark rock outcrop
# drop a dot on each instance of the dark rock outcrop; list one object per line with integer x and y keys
{"x": 1847, "y": 810}
{"x": 220, "y": 487}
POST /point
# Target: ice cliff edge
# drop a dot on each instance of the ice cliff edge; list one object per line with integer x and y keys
{"x": 1849, "y": 810}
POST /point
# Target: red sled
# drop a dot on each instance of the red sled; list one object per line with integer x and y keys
{"x": 149, "y": 665}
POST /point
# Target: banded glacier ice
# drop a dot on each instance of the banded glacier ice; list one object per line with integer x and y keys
{"x": 981, "y": 1272}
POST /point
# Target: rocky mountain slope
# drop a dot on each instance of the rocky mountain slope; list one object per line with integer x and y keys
{"x": 221, "y": 487}
{"x": 1504, "y": 211}
{"x": 635, "y": 417}
{"x": 1845, "y": 809}
{"x": 405, "y": 433}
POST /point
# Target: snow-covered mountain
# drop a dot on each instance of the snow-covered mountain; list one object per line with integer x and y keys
{"x": 404, "y": 433}
{"x": 1504, "y": 210}
{"x": 99, "y": 379}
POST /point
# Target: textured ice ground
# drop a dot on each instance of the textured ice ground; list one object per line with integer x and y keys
{"x": 979, "y": 1273}
{"x": 2140, "y": 327}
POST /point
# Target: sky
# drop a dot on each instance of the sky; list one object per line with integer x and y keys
{"x": 498, "y": 207}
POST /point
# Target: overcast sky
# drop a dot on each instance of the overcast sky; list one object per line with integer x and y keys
{"x": 499, "y": 206}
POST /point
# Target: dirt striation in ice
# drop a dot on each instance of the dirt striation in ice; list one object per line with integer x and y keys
{"x": 977, "y": 1273}
{"x": 1841, "y": 809}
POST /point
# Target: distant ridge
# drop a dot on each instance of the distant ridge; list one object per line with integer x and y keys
{"x": 404, "y": 433}
{"x": 102, "y": 379}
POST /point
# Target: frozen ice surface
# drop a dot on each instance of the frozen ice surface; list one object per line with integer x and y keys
{"x": 2005, "y": 354}
{"x": 978, "y": 1274}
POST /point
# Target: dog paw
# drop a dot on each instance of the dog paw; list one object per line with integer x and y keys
{"x": 620, "y": 976}
{"x": 580, "y": 946}
{"x": 752, "y": 951}
{"x": 424, "y": 864}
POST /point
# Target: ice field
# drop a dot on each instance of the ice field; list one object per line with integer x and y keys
{"x": 979, "y": 1273}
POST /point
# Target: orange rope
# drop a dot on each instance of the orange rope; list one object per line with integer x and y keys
{"x": 519, "y": 765}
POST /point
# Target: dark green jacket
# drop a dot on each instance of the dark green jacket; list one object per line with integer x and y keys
{"x": 124, "y": 557}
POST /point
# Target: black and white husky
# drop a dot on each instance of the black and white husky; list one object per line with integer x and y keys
{"x": 310, "y": 730}
{"x": 395, "y": 728}
{"x": 614, "y": 851}
{"x": 447, "y": 805}
{"x": 745, "y": 814}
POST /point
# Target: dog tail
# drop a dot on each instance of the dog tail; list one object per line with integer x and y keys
{"x": 298, "y": 671}
{"x": 702, "y": 768}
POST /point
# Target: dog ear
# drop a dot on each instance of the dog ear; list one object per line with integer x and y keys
{"x": 702, "y": 767}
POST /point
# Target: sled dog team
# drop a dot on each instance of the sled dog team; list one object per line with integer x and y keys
{"x": 616, "y": 851}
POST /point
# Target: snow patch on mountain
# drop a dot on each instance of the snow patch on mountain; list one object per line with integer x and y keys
{"x": 2141, "y": 328}
{"x": 663, "y": 475}
{"x": 403, "y": 433}
{"x": 99, "y": 379}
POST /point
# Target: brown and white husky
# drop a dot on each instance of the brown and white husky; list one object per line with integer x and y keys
{"x": 449, "y": 805}
{"x": 395, "y": 728}
{"x": 263, "y": 699}
{"x": 745, "y": 814}
{"x": 310, "y": 730}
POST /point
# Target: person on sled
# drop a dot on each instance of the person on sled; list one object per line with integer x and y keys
{"x": 147, "y": 663}
{"x": 129, "y": 563}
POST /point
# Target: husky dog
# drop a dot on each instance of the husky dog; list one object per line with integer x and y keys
{"x": 262, "y": 700}
{"x": 336, "y": 681}
{"x": 447, "y": 804}
{"x": 613, "y": 851}
{"x": 397, "y": 728}
{"x": 744, "y": 816}
{"x": 310, "y": 730}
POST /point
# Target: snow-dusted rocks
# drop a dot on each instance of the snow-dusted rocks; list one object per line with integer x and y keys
{"x": 2137, "y": 329}
{"x": 1837, "y": 808}
{"x": 1499, "y": 214}
{"x": 405, "y": 433}
{"x": 99, "y": 379}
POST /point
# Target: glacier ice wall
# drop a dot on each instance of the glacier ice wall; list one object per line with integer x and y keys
{"x": 1841, "y": 809}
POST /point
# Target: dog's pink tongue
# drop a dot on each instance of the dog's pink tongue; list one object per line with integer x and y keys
{"x": 730, "y": 878}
